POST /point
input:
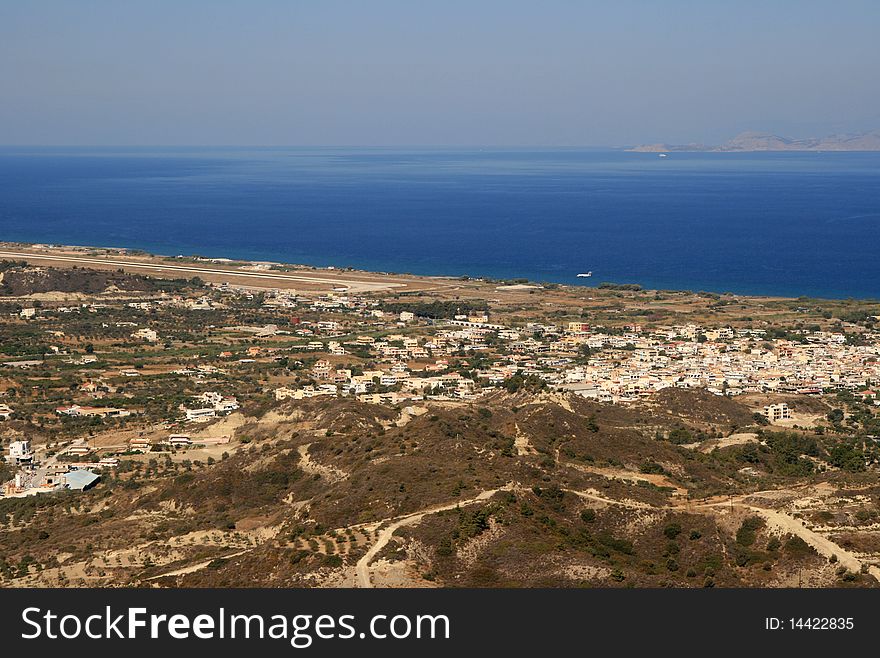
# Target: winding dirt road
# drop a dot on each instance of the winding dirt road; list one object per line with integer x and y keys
{"x": 362, "y": 568}
{"x": 776, "y": 520}
{"x": 198, "y": 566}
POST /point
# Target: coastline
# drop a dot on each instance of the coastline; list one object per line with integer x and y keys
{"x": 253, "y": 274}
{"x": 749, "y": 224}
{"x": 259, "y": 274}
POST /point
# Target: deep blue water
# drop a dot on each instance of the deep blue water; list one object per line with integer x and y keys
{"x": 792, "y": 224}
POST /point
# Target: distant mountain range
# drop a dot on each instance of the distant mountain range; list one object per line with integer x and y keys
{"x": 757, "y": 141}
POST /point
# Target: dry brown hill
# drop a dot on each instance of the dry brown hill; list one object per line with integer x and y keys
{"x": 512, "y": 490}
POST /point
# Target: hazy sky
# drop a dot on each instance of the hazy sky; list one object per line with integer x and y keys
{"x": 426, "y": 72}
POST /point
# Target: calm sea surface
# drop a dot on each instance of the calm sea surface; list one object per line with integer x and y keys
{"x": 792, "y": 224}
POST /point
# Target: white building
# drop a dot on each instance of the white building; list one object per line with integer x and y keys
{"x": 179, "y": 441}
{"x": 305, "y": 393}
{"x": 200, "y": 415}
{"x": 148, "y": 335}
{"x": 210, "y": 398}
{"x": 776, "y": 412}
{"x": 20, "y": 452}
{"x": 79, "y": 448}
{"x": 222, "y": 404}
{"x": 226, "y": 405}
{"x": 140, "y": 444}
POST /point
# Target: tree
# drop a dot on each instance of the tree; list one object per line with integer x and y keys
{"x": 745, "y": 536}
{"x": 672, "y": 530}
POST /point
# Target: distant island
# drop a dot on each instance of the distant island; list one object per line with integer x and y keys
{"x": 758, "y": 141}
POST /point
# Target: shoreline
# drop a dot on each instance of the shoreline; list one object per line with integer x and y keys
{"x": 728, "y": 222}
{"x": 250, "y": 273}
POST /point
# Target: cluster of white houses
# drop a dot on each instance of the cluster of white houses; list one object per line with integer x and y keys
{"x": 466, "y": 355}
{"x": 620, "y": 366}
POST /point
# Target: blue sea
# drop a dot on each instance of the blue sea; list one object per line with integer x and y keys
{"x": 760, "y": 223}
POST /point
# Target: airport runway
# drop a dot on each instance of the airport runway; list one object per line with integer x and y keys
{"x": 274, "y": 280}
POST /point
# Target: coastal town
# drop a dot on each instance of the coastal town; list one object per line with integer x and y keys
{"x": 104, "y": 372}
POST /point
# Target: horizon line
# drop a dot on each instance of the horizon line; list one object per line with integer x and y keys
{"x": 304, "y": 146}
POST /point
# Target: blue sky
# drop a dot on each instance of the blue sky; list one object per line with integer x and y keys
{"x": 450, "y": 72}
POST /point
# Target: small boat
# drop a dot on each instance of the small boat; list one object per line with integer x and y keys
{"x": 662, "y": 155}
{"x": 585, "y": 275}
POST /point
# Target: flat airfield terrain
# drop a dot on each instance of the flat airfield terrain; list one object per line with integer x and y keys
{"x": 213, "y": 271}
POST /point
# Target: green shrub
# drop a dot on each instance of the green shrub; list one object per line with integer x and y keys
{"x": 672, "y": 530}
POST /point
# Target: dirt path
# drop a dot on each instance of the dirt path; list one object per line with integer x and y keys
{"x": 330, "y": 473}
{"x": 824, "y": 546}
{"x": 196, "y": 567}
{"x": 362, "y": 568}
{"x": 732, "y": 440}
{"x": 656, "y": 479}
{"x": 776, "y": 520}
{"x": 630, "y": 504}
{"x": 781, "y": 521}
{"x": 522, "y": 444}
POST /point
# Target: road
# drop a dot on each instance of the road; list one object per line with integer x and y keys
{"x": 362, "y": 568}
{"x": 786, "y": 523}
{"x": 198, "y": 566}
{"x": 629, "y": 504}
{"x": 776, "y": 520}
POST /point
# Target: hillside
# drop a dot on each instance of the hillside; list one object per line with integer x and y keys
{"x": 515, "y": 490}
{"x": 754, "y": 141}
